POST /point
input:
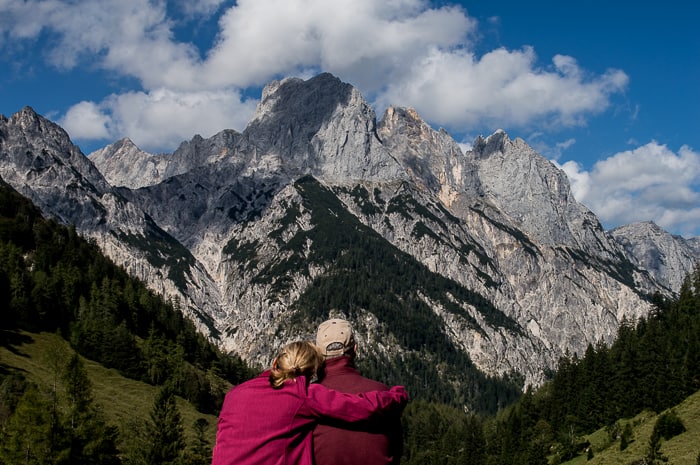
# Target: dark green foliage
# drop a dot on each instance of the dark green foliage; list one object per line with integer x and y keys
{"x": 245, "y": 253}
{"x": 59, "y": 425}
{"x": 292, "y": 213}
{"x": 90, "y": 439}
{"x": 526, "y": 243}
{"x": 626, "y": 436}
{"x": 420, "y": 230}
{"x": 199, "y": 453}
{"x": 651, "y": 366}
{"x": 163, "y": 252}
{"x": 166, "y": 441}
{"x": 668, "y": 425}
{"x": 12, "y": 387}
{"x": 407, "y": 206}
{"x": 654, "y": 454}
{"x": 438, "y": 434}
{"x": 361, "y": 197}
{"x": 398, "y": 205}
{"x": 621, "y": 269}
{"x": 52, "y": 279}
{"x": 28, "y": 436}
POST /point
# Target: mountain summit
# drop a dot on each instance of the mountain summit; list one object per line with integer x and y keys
{"x": 442, "y": 259}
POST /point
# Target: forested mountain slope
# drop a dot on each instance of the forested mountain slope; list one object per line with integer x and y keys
{"x": 52, "y": 280}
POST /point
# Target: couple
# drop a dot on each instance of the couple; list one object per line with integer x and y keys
{"x": 271, "y": 419}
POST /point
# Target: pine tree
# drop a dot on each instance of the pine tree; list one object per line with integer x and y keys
{"x": 91, "y": 440}
{"x": 27, "y": 436}
{"x": 167, "y": 433}
{"x": 199, "y": 453}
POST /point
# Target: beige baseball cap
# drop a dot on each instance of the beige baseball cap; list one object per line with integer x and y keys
{"x": 335, "y": 337}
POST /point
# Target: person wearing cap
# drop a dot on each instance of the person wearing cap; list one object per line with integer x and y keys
{"x": 375, "y": 442}
{"x": 269, "y": 420}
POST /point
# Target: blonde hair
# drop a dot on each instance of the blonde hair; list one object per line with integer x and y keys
{"x": 295, "y": 359}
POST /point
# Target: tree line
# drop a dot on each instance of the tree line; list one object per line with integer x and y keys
{"x": 653, "y": 365}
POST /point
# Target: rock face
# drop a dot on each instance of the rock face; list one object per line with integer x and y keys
{"x": 243, "y": 228}
{"x": 126, "y": 165}
{"x": 667, "y": 257}
{"x": 38, "y": 160}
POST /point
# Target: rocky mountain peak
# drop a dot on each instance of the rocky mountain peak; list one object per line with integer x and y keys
{"x": 31, "y": 126}
{"x": 28, "y": 119}
{"x": 495, "y": 143}
{"x": 39, "y": 160}
{"x": 432, "y": 158}
{"x": 534, "y": 193}
{"x": 43, "y": 143}
{"x": 119, "y": 150}
{"x": 322, "y": 127}
{"x": 292, "y": 100}
{"x": 666, "y": 256}
{"x": 124, "y": 164}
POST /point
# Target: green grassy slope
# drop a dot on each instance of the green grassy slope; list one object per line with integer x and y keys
{"x": 683, "y": 449}
{"x": 123, "y": 400}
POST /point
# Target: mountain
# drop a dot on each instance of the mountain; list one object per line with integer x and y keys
{"x": 667, "y": 257}
{"x": 38, "y": 159}
{"x": 442, "y": 259}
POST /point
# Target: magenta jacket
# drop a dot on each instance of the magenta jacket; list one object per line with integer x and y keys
{"x": 266, "y": 426}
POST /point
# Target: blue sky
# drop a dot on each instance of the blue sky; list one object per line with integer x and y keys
{"x": 608, "y": 90}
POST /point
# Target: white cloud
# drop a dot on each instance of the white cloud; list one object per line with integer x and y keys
{"x": 399, "y": 52}
{"x": 503, "y": 88}
{"x": 133, "y": 38}
{"x": 364, "y": 41}
{"x": 160, "y": 118}
{"x": 199, "y": 8}
{"x": 649, "y": 183}
{"x": 85, "y": 120}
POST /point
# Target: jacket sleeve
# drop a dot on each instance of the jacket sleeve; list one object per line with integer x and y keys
{"x": 324, "y": 402}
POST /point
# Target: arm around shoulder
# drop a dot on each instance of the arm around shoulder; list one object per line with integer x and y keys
{"x": 326, "y": 402}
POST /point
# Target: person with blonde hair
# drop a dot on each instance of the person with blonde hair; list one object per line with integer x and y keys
{"x": 269, "y": 419}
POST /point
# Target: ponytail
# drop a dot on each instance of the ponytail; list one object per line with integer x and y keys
{"x": 301, "y": 358}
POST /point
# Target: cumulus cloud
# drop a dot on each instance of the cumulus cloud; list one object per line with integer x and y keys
{"x": 133, "y": 38}
{"x": 158, "y": 118}
{"x": 200, "y": 8}
{"x": 366, "y": 42}
{"x": 85, "y": 120}
{"x": 504, "y": 88}
{"x": 649, "y": 183}
{"x": 399, "y": 52}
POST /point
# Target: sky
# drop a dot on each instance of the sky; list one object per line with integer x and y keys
{"x": 609, "y": 90}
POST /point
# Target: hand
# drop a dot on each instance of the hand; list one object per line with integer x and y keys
{"x": 401, "y": 391}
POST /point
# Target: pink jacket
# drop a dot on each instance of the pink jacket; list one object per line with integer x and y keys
{"x": 266, "y": 426}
